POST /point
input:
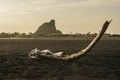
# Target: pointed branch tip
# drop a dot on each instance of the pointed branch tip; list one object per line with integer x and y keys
{"x": 110, "y": 21}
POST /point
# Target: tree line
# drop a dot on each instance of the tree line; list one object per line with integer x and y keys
{"x": 31, "y": 35}
{"x": 15, "y": 35}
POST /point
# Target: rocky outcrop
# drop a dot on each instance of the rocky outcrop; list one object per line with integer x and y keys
{"x": 47, "y": 28}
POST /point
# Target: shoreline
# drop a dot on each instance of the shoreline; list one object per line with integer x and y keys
{"x": 67, "y": 38}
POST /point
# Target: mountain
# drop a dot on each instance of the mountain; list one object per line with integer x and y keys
{"x": 48, "y": 28}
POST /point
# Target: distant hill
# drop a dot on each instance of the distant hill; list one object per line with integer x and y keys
{"x": 48, "y": 28}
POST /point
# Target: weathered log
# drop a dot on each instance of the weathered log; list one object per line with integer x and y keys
{"x": 87, "y": 49}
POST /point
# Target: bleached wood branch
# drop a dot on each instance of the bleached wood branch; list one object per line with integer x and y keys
{"x": 87, "y": 49}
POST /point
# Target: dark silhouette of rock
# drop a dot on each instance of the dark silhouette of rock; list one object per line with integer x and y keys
{"x": 48, "y": 28}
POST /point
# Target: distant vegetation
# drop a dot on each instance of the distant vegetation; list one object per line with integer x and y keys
{"x": 15, "y": 35}
{"x": 31, "y": 35}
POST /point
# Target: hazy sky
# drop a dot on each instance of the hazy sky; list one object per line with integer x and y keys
{"x": 76, "y": 16}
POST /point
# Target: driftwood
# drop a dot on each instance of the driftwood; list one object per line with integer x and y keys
{"x": 84, "y": 51}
